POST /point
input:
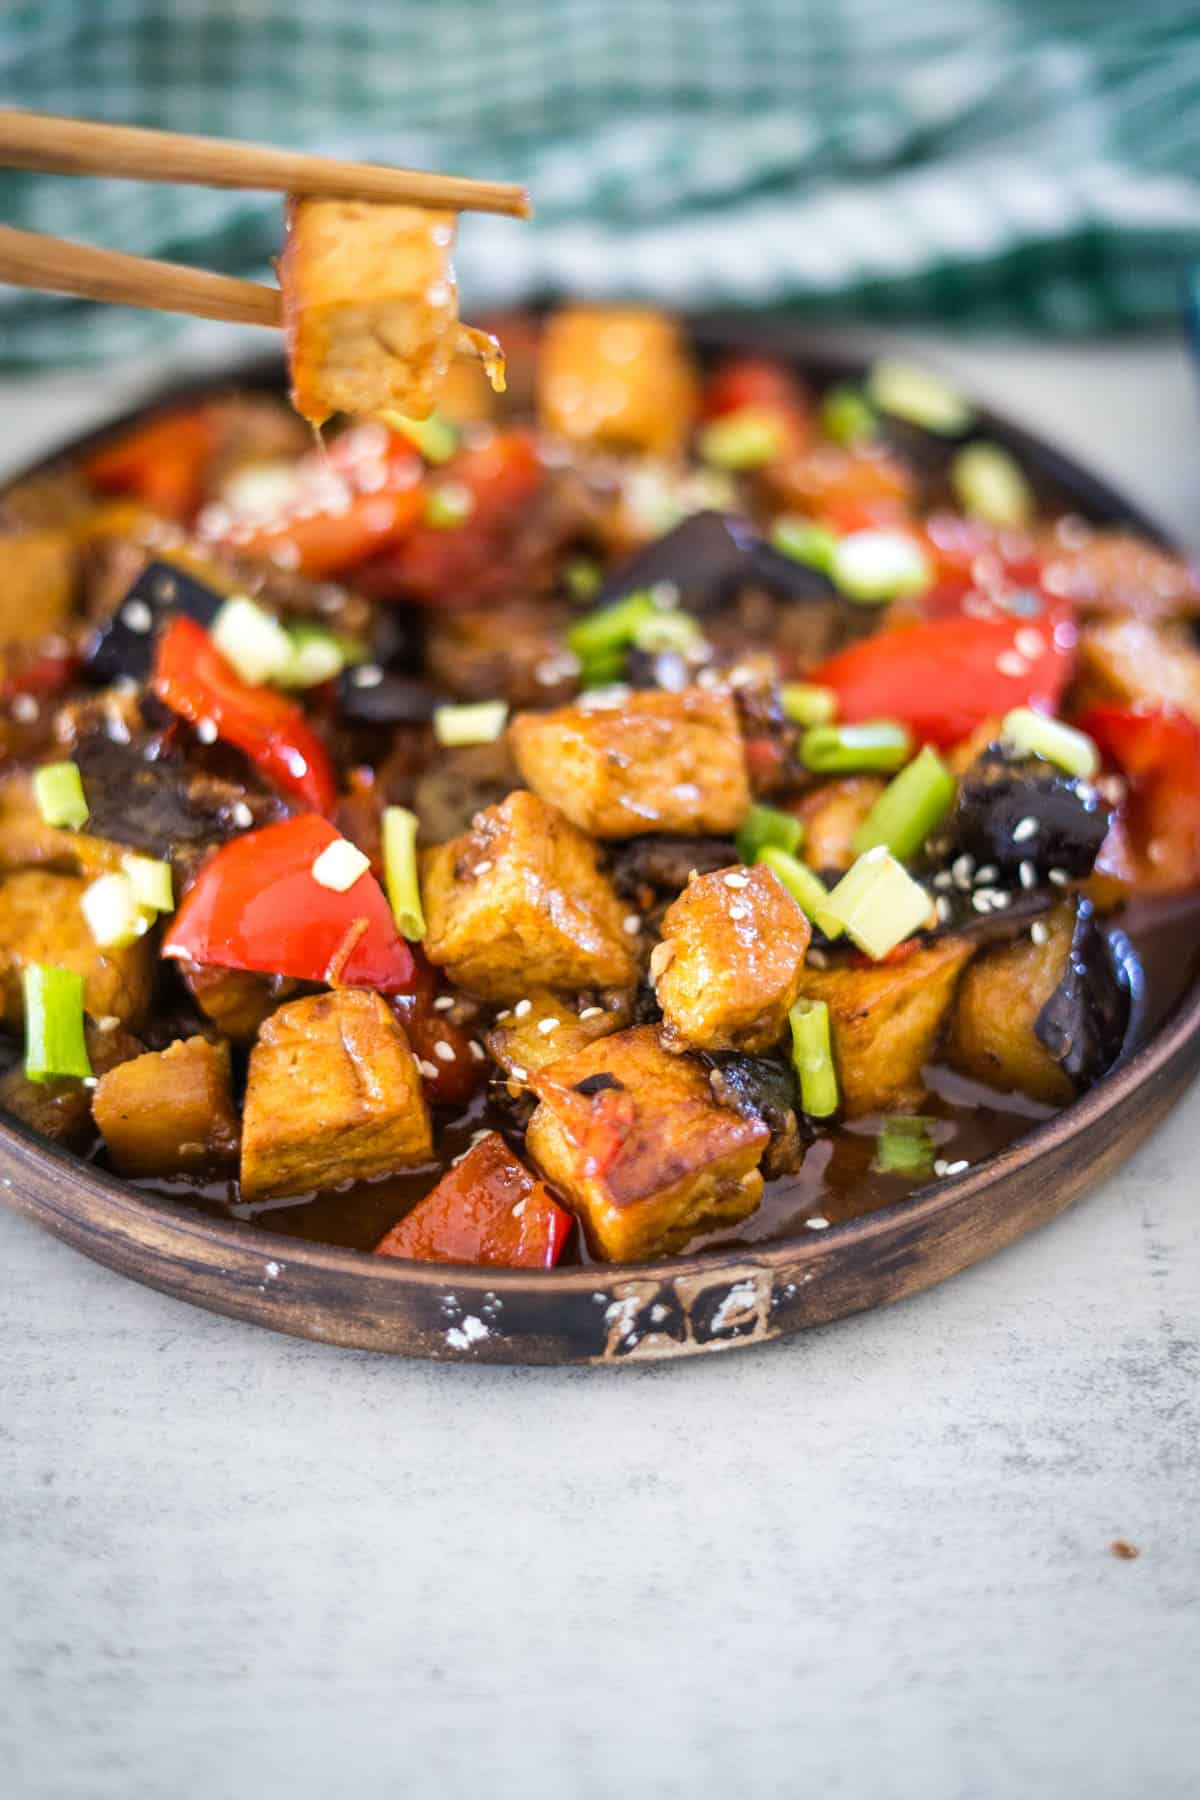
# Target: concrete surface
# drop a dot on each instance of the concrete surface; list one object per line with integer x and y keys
{"x": 873, "y": 1562}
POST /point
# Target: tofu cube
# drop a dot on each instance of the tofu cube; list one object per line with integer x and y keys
{"x": 1002, "y": 993}
{"x": 885, "y": 1022}
{"x": 544, "y": 1028}
{"x": 728, "y": 967}
{"x": 519, "y": 902}
{"x": 634, "y": 1140}
{"x": 334, "y": 1094}
{"x": 370, "y": 304}
{"x": 619, "y": 376}
{"x": 831, "y": 815}
{"x": 41, "y": 921}
{"x": 655, "y": 762}
{"x": 1137, "y": 663}
{"x": 169, "y": 1112}
{"x": 487, "y": 1209}
{"x": 40, "y": 577}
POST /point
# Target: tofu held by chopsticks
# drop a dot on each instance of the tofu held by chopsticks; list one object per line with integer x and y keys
{"x": 371, "y": 308}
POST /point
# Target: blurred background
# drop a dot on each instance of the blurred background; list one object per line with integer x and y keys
{"x": 1027, "y": 165}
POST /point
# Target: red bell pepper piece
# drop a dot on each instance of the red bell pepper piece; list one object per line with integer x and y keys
{"x": 162, "y": 463}
{"x": 487, "y": 1209}
{"x": 971, "y": 557}
{"x": 469, "y": 563}
{"x": 944, "y": 677}
{"x": 1154, "y": 844}
{"x": 197, "y": 682}
{"x": 256, "y": 905}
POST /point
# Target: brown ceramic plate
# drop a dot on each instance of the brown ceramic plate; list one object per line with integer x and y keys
{"x": 714, "y": 1299}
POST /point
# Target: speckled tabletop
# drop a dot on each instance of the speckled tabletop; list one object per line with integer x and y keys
{"x": 874, "y": 1561}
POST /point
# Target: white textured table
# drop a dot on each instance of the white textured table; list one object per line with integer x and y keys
{"x": 872, "y": 1562}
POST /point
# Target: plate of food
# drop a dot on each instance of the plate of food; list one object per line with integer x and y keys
{"x": 697, "y": 845}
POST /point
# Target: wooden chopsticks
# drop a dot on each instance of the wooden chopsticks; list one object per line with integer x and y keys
{"x": 79, "y": 147}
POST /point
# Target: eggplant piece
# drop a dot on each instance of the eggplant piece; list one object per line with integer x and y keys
{"x": 1014, "y": 813}
{"x": 708, "y": 557}
{"x": 663, "y": 861}
{"x": 1084, "y": 1022}
{"x": 368, "y": 695}
{"x": 123, "y": 648}
{"x": 757, "y": 1087}
{"x": 157, "y": 807}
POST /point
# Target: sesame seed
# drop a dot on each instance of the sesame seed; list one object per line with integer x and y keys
{"x": 817, "y": 1224}
{"x": 107, "y": 1022}
{"x": 444, "y": 1052}
{"x": 516, "y": 1074}
{"x": 956, "y": 1168}
{"x": 1028, "y": 874}
{"x": 591, "y": 1012}
{"x": 632, "y": 924}
{"x": 518, "y": 1210}
{"x": 1029, "y": 642}
{"x": 522, "y": 1008}
{"x": 736, "y": 881}
{"x": 206, "y": 731}
{"x": 962, "y": 870}
{"x": 502, "y": 1017}
{"x": 443, "y": 1003}
{"x": 481, "y": 868}
{"x": 476, "y": 1049}
{"x": 1009, "y": 663}
{"x": 738, "y": 911}
{"x": 1000, "y": 899}
{"x": 367, "y": 675}
{"x": 428, "y": 1069}
{"x": 1038, "y": 932}
{"x": 985, "y": 876}
{"x": 242, "y": 816}
{"x": 1059, "y": 877}
{"x": 137, "y": 615}
{"x": 546, "y": 1026}
{"x": 943, "y": 908}
{"x": 943, "y": 879}
{"x": 982, "y": 901}
{"x": 1024, "y": 829}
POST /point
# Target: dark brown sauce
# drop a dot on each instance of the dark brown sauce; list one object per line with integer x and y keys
{"x": 838, "y": 1180}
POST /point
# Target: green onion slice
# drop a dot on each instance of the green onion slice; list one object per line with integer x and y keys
{"x": 481, "y": 722}
{"x": 611, "y": 629}
{"x": 668, "y": 631}
{"x": 400, "y": 872}
{"x": 746, "y": 439}
{"x": 58, "y": 790}
{"x": 804, "y": 541}
{"x": 114, "y": 915}
{"x": 804, "y": 703}
{"x": 880, "y": 744}
{"x": 151, "y": 881}
{"x": 908, "y": 391}
{"x": 989, "y": 485}
{"x": 812, "y": 1058}
{"x": 878, "y": 903}
{"x": 253, "y": 640}
{"x": 435, "y": 437}
{"x": 910, "y": 807}
{"x": 847, "y": 416}
{"x": 765, "y": 826}
{"x": 1030, "y": 733}
{"x": 449, "y": 504}
{"x": 54, "y": 1040}
{"x": 806, "y": 888}
{"x": 905, "y": 1146}
{"x": 873, "y": 567}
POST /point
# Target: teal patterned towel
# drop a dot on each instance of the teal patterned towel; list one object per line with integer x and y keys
{"x": 1027, "y": 163}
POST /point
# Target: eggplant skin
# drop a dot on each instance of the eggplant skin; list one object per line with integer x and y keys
{"x": 664, "y": 860}
{"x": 123, "y": 648}
{"x": 757, "y": 1087}
{"x": 997, "y": 796}
{"x": 709, "y": 556}
{"x": 1083, "y": 1024}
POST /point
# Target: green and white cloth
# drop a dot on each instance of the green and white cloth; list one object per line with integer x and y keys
{"x": 1018, "y": 163}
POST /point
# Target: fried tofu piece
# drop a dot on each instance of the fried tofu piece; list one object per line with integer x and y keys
{"x": 1118, "y": 572}
{"x": 371, "y": 306}
{"x": 657, "y": 762}
{"x": 334, "y": 1094}
{"x": 729, "y": 964}
{"x": 543, "y": 1027}
{"x": 831, "y": 814}
{"x": 885, "y": 1022}
{"x": 41, "y": 567}
{"x": 487, "y": 1209}
{"x": 634, "y": 1139}
{"x": 1134, "y": 662}
{"x": 617, "y": 376}
{"x": 519, "y": 902}
{"x": 62, "y": 1110}
{"x": 1002, "y": 993}
{"x": 169, "y": 1112}
{"x": 237, "y": 1001}
{"x": 41, "y": 921}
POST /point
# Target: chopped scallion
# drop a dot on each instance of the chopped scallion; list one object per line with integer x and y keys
{"x": 449, "y": 504}
{"x": 989, "y": 485}
{"x": 114, "y": 915}
{"x": 806, "y": 704}
{"x": 874, "y": 567}
{"x": 610, "y": 629}
{"x": 804, "y": 541}
{"x": 400, "y": 872}
{"x": 478, "y": 723}
{"x": 909, "y": 808}
{"x": 1030, "y": 733}
{"x": 905, "y": 1146}
{"x": 54, "y": 1040}
{"x": 847, "y": 416}
{"x": 58, "y": 790}
{"x": 318, "y": 655}
{"x": 435, "y": 437}
{"x": 807, "y": 889}
{"x": 764, "y": 826}
{"x": 908, "y": 391}
{"x": 581, "y": 577}
{"x": 151, "y": 881}
{"x": 746, "y": 439}
{"x": 668, "y": 631}
{"x": 880, "y": 744}
{"x": 812, "y": 1058}
{"x": 878, "y": 903}
{"x": 253, "y": 640}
